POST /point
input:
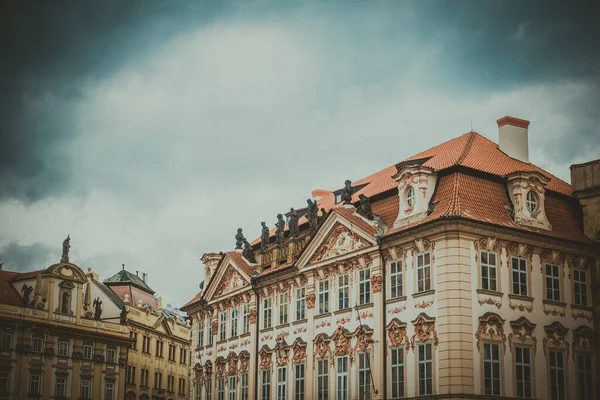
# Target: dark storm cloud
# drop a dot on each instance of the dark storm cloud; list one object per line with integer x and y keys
{"x": 23, "y": 258}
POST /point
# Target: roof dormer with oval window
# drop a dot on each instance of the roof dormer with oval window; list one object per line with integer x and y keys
{"x": 527, "y": 192}
{"x": 416, "y": 185}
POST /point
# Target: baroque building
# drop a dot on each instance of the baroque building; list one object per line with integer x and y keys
{"x": 62, "y": 335}
{"x": 159, "y": 358}
{"x": 462, "y": 272}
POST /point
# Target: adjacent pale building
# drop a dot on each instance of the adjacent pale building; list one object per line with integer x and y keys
{"x": 62, "y": 335}
{"x": 159, "y": 360}
{"x": 461, "y": 272}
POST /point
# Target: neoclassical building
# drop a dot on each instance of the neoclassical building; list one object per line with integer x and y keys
{"x": 461, "y": 272}
{"x": 62, "y": 335}
{"x": 158, "y": 361}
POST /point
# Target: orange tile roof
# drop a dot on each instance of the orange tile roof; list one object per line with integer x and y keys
{"x": 348, "y": 213}
{"x": 192, "y": 301}
{"x": 8, "y": 294}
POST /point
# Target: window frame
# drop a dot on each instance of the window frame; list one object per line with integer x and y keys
{"x": 222, "y": 326}
{"x": 519, "y": 273}
{"x": 323, "y": 296}
{"x": 301, "y": 304}
{"x": 38, "y": 384}
{"x": 492, "y": 385}
{"x": 221, "y": 388}
{"x": 4, "y": 382}
{"x": 244, "y": 386}
{"x": 342, "y": 386}
{"x": 63, "y": 345}
{"x": 399, "y": 366}
{"x": 396, "y": 279}
{"x": 343, "y": 291}
{"x": 37, "y": 344}
{"x": 7, "y": 340}
{"x": 322, "y": 379}
{"x": 109, "y": 394}
{"x": 521, "y": 381}
{"x": 556, "y": 279}
{"x": 84, "y": 352}
{"x": 585, "y": 391}
{"x": 60, "y": 386}
{"x": 486, "y": 277}
{"x": 232, "y": 389}
{"x": 535, "y": 202}
{"x": 233, "y": 325}
{"x": 85, "y": 385}
{"x": 364, "y": 286}
{"x": 282, "y": 383}
{"x": 245, "y": 319}
{"x": 267, "y": 313}
{"x": 425, "y": 269}
{"x": 427, "y": 346}
{"x": 113, "y": 359}
{"x": 200, "y": 334}
{"x": 284, "y": 307}
{"x": 265, "y": 384}
{"x": 364, "y": 376}
{"x": 410, "y": 198}
{"x": 299, "y": 381}
{"x": 557, "y": 369}
{"x": 580, "y": 297}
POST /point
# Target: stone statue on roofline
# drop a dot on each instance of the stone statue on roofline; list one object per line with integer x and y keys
{"x": 66, "y": 247}
{"x": 239, "y": 239}
{"x": 264, "y": 237}
{"x": 97, "y": 308}
{"x": 293, "y": 223}
{"x": 280, "y": 225}
{"x": 248, "y": 252}
{"x": 312, "y": 215}
{"x": 364, "y": 207}
{"x": 347, "y": 192}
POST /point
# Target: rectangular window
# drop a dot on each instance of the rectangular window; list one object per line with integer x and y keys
{"x": 6, "y": 340}
{"x": 245, "y": 318}
{"x": 488, "y": 271}
{"x": 281, "y": 381}
{"x": 111, "y": 356}
{"x": 171, "y": 352}
{"x": 584, "y": 376}
{"x": 519, "y": 276}
{"x": 425, "y": 370}
{"x": 267, "y": 313}
{"x": 523, "y": 371}
{"x": 181, "y": 386}
{"x": 38, "y": 345}
{"x": 265, "y": 389}
{"x": 221, "y": 389}
{"x": 146, "y": 344}
{"x": 342, "y": 378}
{"x": 580, "y": 287}
{"x": 159, "y": 348}
{"x": 208, "y": 385}
{"x": 85, "y": 389}
{"x": 396, "y": 289}
{"x": 182, "y": 355}
{"x": 300, "y": 304}
{"x": 131, "y": 374}
{"x": 145, "y": 377}
{"x": 364, "y": 377}
{"x": 4, "y": 382}
{"x": 244, "y": 386}
{"x": 223, "y": 325}
{"x": 364, "y": 286}
{"x": 491, "y": 368}
{"x": 283, "y": 308}
{"x": 397, "y": 364}
{"x": 158, "y": 380}
{"x": 423, "y": 272}
{"x": 557, "y": 375}
{"x": 63, "y": 348}
{"x": 232, "y": 388}
{"x": 35, "y": 381}
{"x": 61, "y": 386}
{"x": 552, "y": 282}
{"x": 109, "y": 391}
{"x": 133, "y": 336}
{"x": 234, "y": 322}
{"x": 171, "y": 383}
{"x": 197, "y": 391}
{"x": 200, "y": 333}
{"x": 210, "y": 335}
{"x": 343, "y": 292}
{"x": 299, "y": 382}
{"x": 322, "y": 379}
{"x": 88, "y": 351}
{"x": 323, "y": 296}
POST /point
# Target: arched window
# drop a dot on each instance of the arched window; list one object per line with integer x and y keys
{"x": 66, "y": 302}
{"x": 410, "y": 197}
{"x": 532, "y": 201}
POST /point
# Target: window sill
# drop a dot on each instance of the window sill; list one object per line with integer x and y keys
{"x": 520, "y": 297}
{"x": 245, "y": 335}
{"x": 323, "y": 315}
{"x": 425, "y": 293}
{"x": 232, "y": 338}
{"x": 281, "y": 326}
{"x": 300, "y": 321}
{"x": 490, "y": 292}
{"x": 396, "y": 299}
{"x": 263, "y": 330}
{"x": 584, "y": 308}
{"x": 363, "y": 306}
{"x": 343, "y": 310}
{"x": 554, "y": 303}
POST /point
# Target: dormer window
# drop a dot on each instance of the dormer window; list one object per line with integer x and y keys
{"x": 532, "y": 202}
{"x": 338, "y": 198}
{"x": 410, "y": 197}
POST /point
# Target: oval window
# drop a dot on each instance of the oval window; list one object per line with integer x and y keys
{"x": 532, "y": 201}
{"x": 410, "y": 197}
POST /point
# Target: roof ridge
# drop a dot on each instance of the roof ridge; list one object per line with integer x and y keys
{"x": 467, "y": 148}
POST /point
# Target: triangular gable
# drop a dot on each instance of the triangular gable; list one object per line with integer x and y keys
{"x": 228, "y": 278}
{"x": 337, "y": 237}
{"x": 164, "y": 323}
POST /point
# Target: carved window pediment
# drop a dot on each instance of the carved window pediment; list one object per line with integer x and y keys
{"x": 556, "y": 335}
{"x": 339, "y": 241}
{"x": 491, "y": 326}
{"x": 424, "y": 330}
{"x": 299, "y": 350}
{"x": 321, "y": 347}
{"x": 525, "y": 188}
{"x": 397, "y": 333}
{"x": 523, "y": 332}
{"x": 584, "y": 338}
{"x": 341, "y": 338}
{"x": 266, "y": 357}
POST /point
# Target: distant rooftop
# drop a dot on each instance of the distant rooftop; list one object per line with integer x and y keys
{"x": 126, "y": 277}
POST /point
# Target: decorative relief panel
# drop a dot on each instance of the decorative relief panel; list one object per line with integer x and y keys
{"x": 244, "y": 361}
{"x": 555, "y": 336}
{"x": 299, "y": 351}
{"x": 424, "y": 330}
{"x": 376, "y": 283}
{"x": 584, "y": 339}
{"x": 341, "y": 339}
{"x": 552, "y": 257}
{"x": 397, "y": 333}
{"x": 221, "y": 365}
{"x": 282, "y": 353}
{"x": 520, "y": 250}
{"x": 207, "y": 370}
{"x": 523, "y": 332}
{"x": 490, "y": 244}
{"x": 491, "y": 326}
{"x": 232, "y": 368}
{"x": 422, "y": 245}
{"x": 266, "y": 358}
{"x": 490, "y": 301}
{"x": 230, "y": 281}
{"x": 339, "y": 241}
{"x": 310, "y": 300}
{"x": 321, "y": 347}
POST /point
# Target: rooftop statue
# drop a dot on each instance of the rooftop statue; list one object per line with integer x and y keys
{"x": 248, "y": 252}
{"x": 97, "y": 308}
{"x": 264, "y": 237}
{"x": 66, "y": 247}
{"x": 280, "y": 225}
{"x": 312, "y": 215}
{"x": 364, "y": 207}
{"x": 239, "y": 239}
{"x": 347, "y": 191}
{"x": 293, "y": 223}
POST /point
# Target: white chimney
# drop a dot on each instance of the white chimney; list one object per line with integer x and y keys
{"x": 513, "y": 137}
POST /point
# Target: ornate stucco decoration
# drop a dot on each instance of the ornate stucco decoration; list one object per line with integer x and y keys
{"x": 555, "y": 336}
{"x": 266, "y": 357}
{"x": 310, "y": 300}
{"x": 253, "y": 316}
{"x": 584, "y": 339}
{"x": 341, "y": 338}
{"x": 490, "y": 302}
{"x": 215, "y": 327}
{"x": 526, "y": 251}
{"x": 520, "y": 184}
{"x": 376, "y": 283}
{"x": 523, "y": 332}
{"x": 424, "y": 304}
{"x": 299, "y": 351}
{"x": 552, "y": 257}
{"x": 282, "y": 352}
{"x": 424, "y": 330}
{"x": 232, "y": 368}
{"x": 422, "y": 245}
{"x": 396, "y": 253}
{"x": 198, "y": 373}
{"x": 207, "y": 370}
{"x": 521, "y": 307}
{"x": 421, "y": 182}
{"x": 339, "y": 241}
{"x": 221, "y": 366}
{"x": 491, "y": 326}
{"x": 244, "y": 361}
{"x": 364, "y": 339}
{"x": 230, "y": 281}
{"x": 397, "y": 333}
{"x": 322, "y": 348}
{"x": 490, "y": 244}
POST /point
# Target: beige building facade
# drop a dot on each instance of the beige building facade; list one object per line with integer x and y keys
{"x": 462, "y": 272}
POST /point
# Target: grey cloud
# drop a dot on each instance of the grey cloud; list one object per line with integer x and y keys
{"x": 23, "y": 258}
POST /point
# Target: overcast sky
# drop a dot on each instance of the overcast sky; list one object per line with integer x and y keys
{"x": 151, "y": 130}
